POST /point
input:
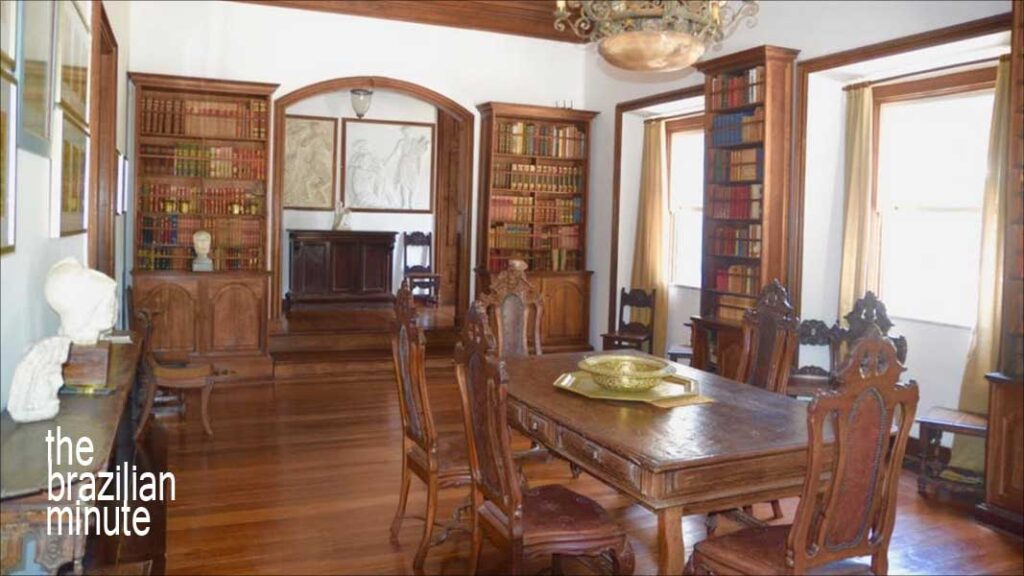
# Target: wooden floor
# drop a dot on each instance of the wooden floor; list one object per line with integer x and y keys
{"x": 308, "y": 482}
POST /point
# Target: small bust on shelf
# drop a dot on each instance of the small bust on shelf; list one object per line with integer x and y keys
{"x": 201, "y": 244}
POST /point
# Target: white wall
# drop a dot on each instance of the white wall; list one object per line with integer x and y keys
{"x": 385, "y": 106}
{"x": 629, "y": 197}
{"x": 298, "y": 47}
{"x": 25, "y": 317}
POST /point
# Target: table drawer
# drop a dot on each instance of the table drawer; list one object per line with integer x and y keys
{"x": 612, "y": 464}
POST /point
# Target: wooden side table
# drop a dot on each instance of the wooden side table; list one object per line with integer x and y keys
{"x": 933, "y": 424}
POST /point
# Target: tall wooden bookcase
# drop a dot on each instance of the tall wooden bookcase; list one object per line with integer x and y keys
{"x": 748, "y": 101}
{"x": 201, "y": 163}
{"x": 534, "y": 165}
{"x": 1004, "y": 448}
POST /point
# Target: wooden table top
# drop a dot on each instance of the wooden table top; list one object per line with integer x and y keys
{"x": 742, "y": 422}
{"x": 23, "y": 450}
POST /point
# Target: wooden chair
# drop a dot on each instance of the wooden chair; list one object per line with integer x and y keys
{"x": 178, "y": 376}
{"x": 509, "y": 301}
{"x": 769, "y": 340}
{"x": 867, "y": 312}
{"x": 851, "y": 512}
{"x": 528, "y": 523}
{"x": 632, "y": 334}
{"x": 807, "y": 379}
{"x": 422, "y": 276}
{"x": 439, "y": 460}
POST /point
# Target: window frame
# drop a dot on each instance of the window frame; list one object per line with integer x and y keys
{"x": 689, "y": 123}
{"x": 963, "y": 82}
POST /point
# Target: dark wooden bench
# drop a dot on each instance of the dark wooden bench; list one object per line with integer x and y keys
{"x": 933, "y": 424}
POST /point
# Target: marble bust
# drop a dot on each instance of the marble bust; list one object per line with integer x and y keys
{"x": 37, "y": 379}
{"x": 201, "y": 244}
{"x": 85, "y": 300}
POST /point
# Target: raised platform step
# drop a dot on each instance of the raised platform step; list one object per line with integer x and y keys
{"x": 351, "y": 363}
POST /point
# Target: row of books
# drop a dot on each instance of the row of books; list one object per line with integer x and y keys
{"x": 195, "y": 160}
{"x": 559, "y": 211}
{"x": 738, "y": 241}
{"x": 511, "y": 237}
{"x": 540, "y": 178}
{"x": 739, "y": 202}
{"x": 204, "y": 119}
{"x": 738, "y": 278}
{"x": 72, "y": 184}
{"x": 180, "y": 258}
{"x": 566, "y": 238}
{"x": 192, "y": 200}
{"x": 738, "y": 128}
{"x": 736, "y": 165}
{"x": 177, "y": 230}
{"x": 512, "y": 209}
{"x": 728, "y": 90}
{"x": 532, "y": 139}
{"x": 558, "y": 261}
{"x": 733, "y": 307}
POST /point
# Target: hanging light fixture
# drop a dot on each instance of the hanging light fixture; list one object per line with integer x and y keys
{"x": 654, "y": 35}
{"x": 361, "y": 98}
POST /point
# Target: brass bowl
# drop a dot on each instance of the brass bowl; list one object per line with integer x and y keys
{"x": 626, "y": 373}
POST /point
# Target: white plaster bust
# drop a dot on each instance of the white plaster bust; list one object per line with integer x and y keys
{"x": 37, "y": 379}
{"x": 201, "y": 244}
{"x": 85, "y": 300}
{"x": 342, "y": 217}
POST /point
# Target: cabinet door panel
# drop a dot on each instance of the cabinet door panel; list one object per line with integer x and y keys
{"x": 345, "y": 267}
{"x": 236, "y": 311}
{"x": 565, "y": 309}
{"x": 1006, "y": 430}
{"x": 376, "y": 268}
{"x": 174, "y": 326}
{"x": 309, "y": 265}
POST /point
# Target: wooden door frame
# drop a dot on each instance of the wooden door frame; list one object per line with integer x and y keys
{"x": 804, "y": 69}
{"x": 102, "y": 204}
{"x": 620, "y": 109}
{"x": 464, "y": 178}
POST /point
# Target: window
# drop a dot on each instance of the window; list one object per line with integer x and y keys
{"x": 686, "y": 198}
{"x": 932, "y": 159}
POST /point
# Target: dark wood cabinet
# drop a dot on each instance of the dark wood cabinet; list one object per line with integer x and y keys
{"x": 219, "y": 317}
{"x": 565, "y": 324}
{"x": 332, "y": 266}
{"x": 717, "y": 345}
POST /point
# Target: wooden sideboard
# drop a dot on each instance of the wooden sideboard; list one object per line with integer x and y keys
{"x": 565, "y": 324}
{"x": 219, "y": 317}
{"x": 717, "y": 345}
{"x": 1004, "y": 454}
{"x": 335, "y": 266}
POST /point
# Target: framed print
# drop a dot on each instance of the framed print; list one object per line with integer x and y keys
{"x": 74, "y": 159}
{"x": 310, "y": 162}
{"x": 75, "y": 45}
{"x": 7, "y": 188}
{"x": 388, "y": 166}
{"x": 122, "y": 184}
{"x": 8, "y": 34}
{"x": 36, "y": 72}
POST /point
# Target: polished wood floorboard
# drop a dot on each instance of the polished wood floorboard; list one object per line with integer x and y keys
{"x": 305, "y": 480}
{"x": 366, "y": 318}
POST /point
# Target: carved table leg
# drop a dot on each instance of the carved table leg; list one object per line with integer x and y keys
{"x": 671, "y": 548}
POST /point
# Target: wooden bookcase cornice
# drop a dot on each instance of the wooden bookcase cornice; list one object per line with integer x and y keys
{"x": 536, "y": 112}
{"x": 188, "y": 83}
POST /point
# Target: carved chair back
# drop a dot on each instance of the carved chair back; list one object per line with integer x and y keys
{"x": 636, "y": 300}
{"x": 867, "y": 312}
{"x": 855, "y": 513}
{"x": 769, "y": 340}
{"x": 484, "y": 390}
{"x": 514, "y": 304}
{"x": 408, "y": 350}
{"x": 815, "y": 333}
{"x": 418, "y": 240}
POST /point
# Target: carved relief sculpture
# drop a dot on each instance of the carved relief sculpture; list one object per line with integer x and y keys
{"x": 37, "y": 379}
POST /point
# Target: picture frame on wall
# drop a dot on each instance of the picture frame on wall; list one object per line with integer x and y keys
{"x": 8, "y": 113}
{"x": 35, "y": 75}
{"x": 310, "y": 162}
{"x": 8, "y": 34}
{"x": 75, "y": 46}
{"x": 74, "y": 162}
{"x": 388, "y": 166}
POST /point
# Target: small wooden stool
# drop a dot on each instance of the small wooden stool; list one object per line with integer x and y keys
{"x": 933, "y": 424}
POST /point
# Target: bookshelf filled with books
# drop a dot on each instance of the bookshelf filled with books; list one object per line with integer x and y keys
{"x": 534, "y": 185}
{"x": 748, "y": 102}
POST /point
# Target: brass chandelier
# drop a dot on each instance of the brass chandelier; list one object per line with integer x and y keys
{"x": 654, "y": 35}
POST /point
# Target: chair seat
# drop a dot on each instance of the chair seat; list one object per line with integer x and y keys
{"x": 761, "y": 551}
{"x": 554, "y": 513}
{"x": 421, "y": 275}
{"x": 452, "y": 454}
{"x": 628, "y": 336}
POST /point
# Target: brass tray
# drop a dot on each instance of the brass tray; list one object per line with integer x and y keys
{"x": 672, "y": 391}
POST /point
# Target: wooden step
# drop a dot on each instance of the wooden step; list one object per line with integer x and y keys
{"x": 347, "y": 364}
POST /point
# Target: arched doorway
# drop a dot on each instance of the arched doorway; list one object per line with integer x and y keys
{"x": 454, "y": 188}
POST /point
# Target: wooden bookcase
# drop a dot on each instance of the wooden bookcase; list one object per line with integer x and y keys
{"x": 1004, "y": 448}
{"x": 201, "y": 159}
{"x": 534, "y": 167}
{"x": 748, "y": 101}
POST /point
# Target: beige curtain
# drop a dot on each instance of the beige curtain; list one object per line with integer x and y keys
{"x": 649, "y": 266}
{"x": 861, "y": 228}
{"x": 969, "y": 453}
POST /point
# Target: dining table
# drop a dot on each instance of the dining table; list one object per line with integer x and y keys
{"x": 743, "y": 446}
